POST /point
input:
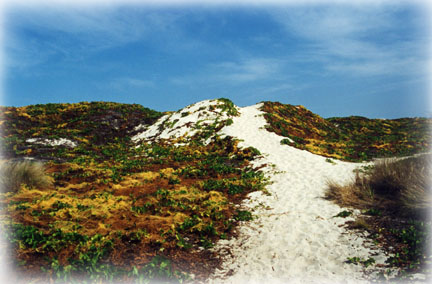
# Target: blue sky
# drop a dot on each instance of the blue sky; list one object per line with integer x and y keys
{"x": 335, "y": 59}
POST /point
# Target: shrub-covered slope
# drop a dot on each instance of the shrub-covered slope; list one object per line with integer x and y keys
{"x": 350, "y": 138}
{"x": 35, "y": 130}
{"x": 129, "y": 193}
{"x": 117, "y": 208}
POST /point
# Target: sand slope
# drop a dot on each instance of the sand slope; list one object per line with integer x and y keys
{"x": 296, "y": 238}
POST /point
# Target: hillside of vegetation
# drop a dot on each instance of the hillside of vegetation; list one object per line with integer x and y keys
{"x": 128, "y": 193}
{"x": 348, "y": 138}
{"x": 89, "y": 126}
{"x": 116, "y": 208}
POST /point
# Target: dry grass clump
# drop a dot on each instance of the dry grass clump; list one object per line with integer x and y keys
{"x": 400, "y": 187}
{"x": 16, "y": 173}
{"x": 407, "y": 181}
{"x": 357, "y": 194}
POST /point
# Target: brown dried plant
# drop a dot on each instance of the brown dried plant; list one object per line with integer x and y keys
{"x": 14, "y": 174}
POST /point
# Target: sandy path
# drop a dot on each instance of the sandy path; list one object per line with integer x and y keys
{"x": 296, "y": 239}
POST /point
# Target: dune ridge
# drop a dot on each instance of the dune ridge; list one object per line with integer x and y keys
{"x": 296, "y": 238}
{"x": 183, "y": 178}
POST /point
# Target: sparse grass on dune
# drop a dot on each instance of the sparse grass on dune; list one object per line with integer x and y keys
{"x": 14, "y": 174}
{"x": 406, "y": 181}
{"x": 399, "y": 187}
{"x": 395, "y": 199}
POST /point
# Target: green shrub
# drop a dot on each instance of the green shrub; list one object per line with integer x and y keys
{"x": 343, "y": 214}
{"x": 414, "y": 238}
{"x": 228, "y": 107}
{"x": 358, "y": 260}
{"x": 243, "y": 215}
{"x": 161, "y": 270}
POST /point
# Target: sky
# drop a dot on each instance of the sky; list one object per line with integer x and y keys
{"x": 337, "y": 58}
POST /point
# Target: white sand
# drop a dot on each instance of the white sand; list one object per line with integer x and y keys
{"x": 53, "y": 142}
{"x": 183, "y": 123}
{"x": 297, "y": 239}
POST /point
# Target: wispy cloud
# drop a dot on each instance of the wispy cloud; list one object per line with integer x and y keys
{"x": 126, "y": 83}
{"x": 238, "y": 72}
{"x": 246, "y": 70}
{"x": 359, "y": 40}
{"x": 36, "y": 33}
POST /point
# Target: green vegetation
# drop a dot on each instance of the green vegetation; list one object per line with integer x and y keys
{"x": 228, "y": 107}
{"x": 87, "y": 257}
{"x": 115, "y": 210}
{"x": 372, "y": 212}
{"x": 414, "y": 238}
{"x": 352, "y": 138}
{"x": 91, "y": 125}
{"x": 364, "y": 262}
{"x": 106, "y": 209}
{"x": 243, "y": 215}
{"x": 343, "y": 214}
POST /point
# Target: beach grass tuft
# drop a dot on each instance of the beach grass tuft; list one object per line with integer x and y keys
{"x": 399, "y": 187}
{"x": 16, "y": 173}
{"x": 395, "y": 198}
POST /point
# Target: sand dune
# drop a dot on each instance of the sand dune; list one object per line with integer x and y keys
{"x": 295, "y": 237}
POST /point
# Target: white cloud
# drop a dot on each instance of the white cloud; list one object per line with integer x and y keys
{"x": 357, "y": 39}
{"x": 36, "y": 33}
{"x": 246, "y": 70}
{"x": 279, "y": 88}
{"x": 335, "y": 21}
{"x": 126, "y": 83}
{"x": 234, "y": 72}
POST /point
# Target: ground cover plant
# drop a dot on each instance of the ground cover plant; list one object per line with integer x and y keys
{"x": 396, "y": 201}
{"x": 91, "y": 190}
{"x": 116, "y": 210}
{"x": 87, "y": 125}
{"x": 350, "y": 138}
